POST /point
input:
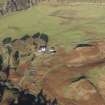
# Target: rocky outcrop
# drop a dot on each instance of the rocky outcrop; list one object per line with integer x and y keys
{"x": 19, "y": 4}
{"x": 16, "y": 5}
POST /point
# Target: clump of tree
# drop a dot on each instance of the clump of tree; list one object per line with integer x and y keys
{"x": 25, "y": 37}
{"x": 40, "y": 39}
{"x": 7, "y": 40}
{"x": 14, "y": 40}
{"x": 41, "y": 99}
{"x": 19, "y": 96}
{"x": 41, "y": 36}
{"x": 1, "y": 62}
{"x": 9, "y": 50}
{"x": 36, "y": 35}
{"x": 16, "y": 58}
{"x": 44, "y": 37}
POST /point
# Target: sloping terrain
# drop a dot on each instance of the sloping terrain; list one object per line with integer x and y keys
{"x": 75, "y": 76}
{"x": 75, "y": 85}
{"x": 67, "y": 25}
{"x": 78, "y": 84}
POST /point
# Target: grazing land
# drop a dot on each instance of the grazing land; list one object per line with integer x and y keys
{"x": 74, "y": 76}
{"x": 66, "y": 25}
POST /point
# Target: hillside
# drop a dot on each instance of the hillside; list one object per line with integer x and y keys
{"x": 64, "y": 24}
{"x": 8, "y": 6}
{"x": 75, "y": 76}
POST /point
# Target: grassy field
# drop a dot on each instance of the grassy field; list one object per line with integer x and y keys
{"x": 95, "y": 74}
{"x": 66, "y": 25}
{"x": 2, "y": 1}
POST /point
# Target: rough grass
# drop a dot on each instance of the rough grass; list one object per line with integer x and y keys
{"x": 2, "y": 1}
{"x": 66, "y": 25}
{"x": 95, "y": 74}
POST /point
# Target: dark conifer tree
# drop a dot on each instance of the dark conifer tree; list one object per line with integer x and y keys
{"x": 1, "y": 62}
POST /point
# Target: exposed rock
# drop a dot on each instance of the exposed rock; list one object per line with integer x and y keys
{"x": 16, "y": 5}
